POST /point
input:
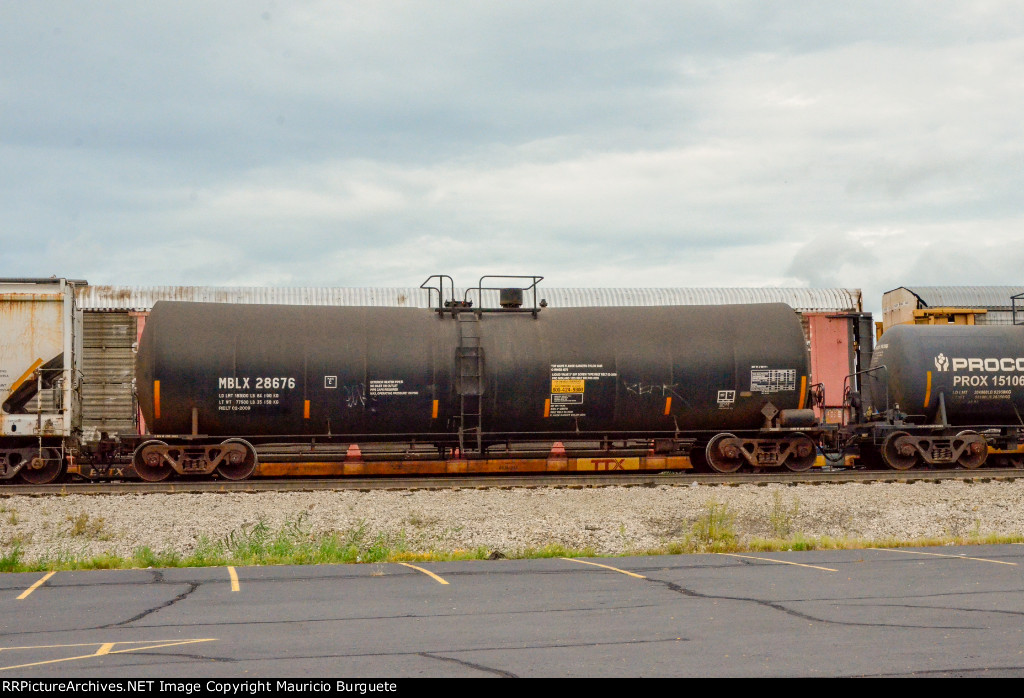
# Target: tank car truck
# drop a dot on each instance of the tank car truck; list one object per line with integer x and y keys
{"x": 40, "y": 378}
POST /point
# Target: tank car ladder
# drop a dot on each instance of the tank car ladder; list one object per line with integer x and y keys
{"x": 470, "y": 360}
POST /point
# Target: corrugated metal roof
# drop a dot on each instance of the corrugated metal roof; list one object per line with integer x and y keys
{"x": 991, "y": 297}
{"x": 142, "y": 298}
{"x": 802, "y": 299}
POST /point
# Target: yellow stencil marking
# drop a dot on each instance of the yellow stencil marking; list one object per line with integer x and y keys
{"x": 803, "y": 392}
{"x": 955, "y": 557}
{"x": 607, "y": 567}
{"x": 928, "y": 390}
{"x": 668, "y": 404}
{"x": 433, "y": 411}
{"x": 547, "y": 407}
{"x": 305, "y": 409}
{"x": 781, "y": 562}
{"x": 100, "y": 651}
{"x": 35, "y": 586}
{"x": 156, "y": 399}
{"x": 426, "y": 572}
{"x": 24, "y": 376}
{"x": 234, "y": 578}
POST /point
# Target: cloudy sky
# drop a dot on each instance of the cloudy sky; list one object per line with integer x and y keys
{"x": 868, "y": 144}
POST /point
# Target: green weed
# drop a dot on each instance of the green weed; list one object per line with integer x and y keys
{"x": 11, "y": 560}
{"x": 84, "y": 526}
{"x": 782, "y": 518}
{"x": 715, "y": 529}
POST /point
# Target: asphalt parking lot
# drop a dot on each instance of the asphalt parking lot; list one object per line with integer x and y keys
{"x": 875, "y": 612}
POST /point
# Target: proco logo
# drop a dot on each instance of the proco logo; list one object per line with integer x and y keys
{"x": 990, "y": 364}
{"x": 998, "y": 366}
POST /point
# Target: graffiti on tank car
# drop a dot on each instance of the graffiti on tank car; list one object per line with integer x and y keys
{"x": 652, "y": 389}
{"x": 355, "y": 395}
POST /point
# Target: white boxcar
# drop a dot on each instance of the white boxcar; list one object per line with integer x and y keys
{"x": 40, "y": 377}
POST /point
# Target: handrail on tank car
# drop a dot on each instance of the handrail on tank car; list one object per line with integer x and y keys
{"x": 480, "y": 288}
{"x": 439, "y": 288}
{"x": 846, "y": 389}
{"x": 450, "y": 304}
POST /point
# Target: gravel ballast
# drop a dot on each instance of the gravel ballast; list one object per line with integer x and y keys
{"x": 609, "y": 520}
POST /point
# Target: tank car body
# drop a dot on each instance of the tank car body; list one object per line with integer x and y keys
{"x": 468, "y": 384}
{"x": 946, "y": 394}
{"x": 974, "y": 373}
{"x": 318, "y": 370}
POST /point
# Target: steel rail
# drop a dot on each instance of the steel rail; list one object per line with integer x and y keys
{"x": 457, "y": 482}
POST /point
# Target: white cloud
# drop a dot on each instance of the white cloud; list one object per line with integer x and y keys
{"x": 871, "y": 146}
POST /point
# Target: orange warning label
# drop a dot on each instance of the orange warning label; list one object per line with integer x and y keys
{"x": 567, "y": 386}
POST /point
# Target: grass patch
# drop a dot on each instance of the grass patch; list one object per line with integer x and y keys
{"x": 714, "y": 530}
{"x": 294, "y": 544}
{"x": 84, "y": 526}
{"x": 552, "y": 550}
{"x": 782, "y": 517}
{"x": 10, "y": 561}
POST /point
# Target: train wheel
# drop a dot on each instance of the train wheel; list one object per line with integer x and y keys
{"x": 975, "y": 453}
{"x": 240, "y": 461}
{"x": 150, "y": 463}
{"x": 43, "y": 467}
{"x": 898, "y": 452}
{"x": 804, "y": 454}
{"x": 723, "y": 458}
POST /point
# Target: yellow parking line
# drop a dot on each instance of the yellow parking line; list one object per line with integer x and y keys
{"x": 781, "y": 562}
{"x": 35, "y": 586}
{"x": 101, "y": 652}
{"x": 105, "y": 648}
{"x": 234, "y": 579}
{"x": 91, "y": 644}
{"x": 426, "y": 572}
{"x": 607, "y": 567}
{"x": 955, "y": 557}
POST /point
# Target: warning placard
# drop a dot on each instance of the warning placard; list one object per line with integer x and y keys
{"x": 567, "y": 386}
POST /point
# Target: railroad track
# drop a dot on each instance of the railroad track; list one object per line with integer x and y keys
{"x": 576, "y": 480}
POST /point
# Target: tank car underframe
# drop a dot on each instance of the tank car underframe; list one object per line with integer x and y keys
{"x": 158, "y": 457}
